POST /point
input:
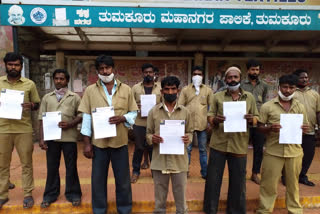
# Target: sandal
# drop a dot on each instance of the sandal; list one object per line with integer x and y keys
{"x": 28, "y": 202}
{"x": 11, "y": 185}
{"x": 145, "y": 165}
{"x": 3, "y": 201}
{"x": 45, "y": 204}
{"x": 76, "y": 202}
{"x": 134, "y": 178}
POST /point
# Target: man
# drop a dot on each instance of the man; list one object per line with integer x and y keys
{"x": 147, "y": 86}
{"x": 311, "y": 101}
{"x": 259, "y": 89}
{"x": 16, "y": 15}
{"x": 278, "y": 156}
{"x": 108, "y": 91}
{"x": 17, "y": 133}
{"x": 196, "y": 97}
{"x": 165, "y": 167}
{"x": 67, "y": 102}
{"x": 228, "y": 146}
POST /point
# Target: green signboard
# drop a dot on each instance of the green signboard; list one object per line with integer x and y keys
{"x": 188, "y": 18}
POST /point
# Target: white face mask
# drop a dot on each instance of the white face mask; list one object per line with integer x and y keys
{"x": 106, "y": 79}
{"x": 197, "y": 80}
{"x": 234, "y": 87}
{"x": 284, "y": 98}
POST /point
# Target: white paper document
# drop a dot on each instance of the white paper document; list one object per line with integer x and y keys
{"x": 291, "y": 132}
{"x": 10, "y": 104}
{"x": 147, "y": 102}
{"x": 50, "y": 125}
{"x": 172, "y": 131}
{"x": 101, "y": 126}
{"x": 234, "y": 113}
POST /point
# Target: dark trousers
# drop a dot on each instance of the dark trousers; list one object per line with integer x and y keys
{"x": 236, "y": 202}
{"x": 257, "y": 139}
{"x": 308, "y": 146}
{"x": 100, "y": 166}
{"x": 53, "y": 154}
{"x": 140, "y": 146}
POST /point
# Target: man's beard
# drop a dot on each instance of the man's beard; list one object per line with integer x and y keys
{"x": 13, "y": 73}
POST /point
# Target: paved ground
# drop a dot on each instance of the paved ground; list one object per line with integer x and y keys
{"x": 143, "y": 190}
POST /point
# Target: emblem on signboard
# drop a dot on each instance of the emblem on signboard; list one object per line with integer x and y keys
{"x": 38, "y": 15}
{"x": 16, "y": 15}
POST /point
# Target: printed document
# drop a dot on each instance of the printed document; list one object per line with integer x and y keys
{"x": 101, "y": 126}
{"x": 50, "y": 125}
{"x": 291, "y": 132}
{"x": 10, "y": 104}
{"x": 147, "y": 102}
{"x": 172, "y": 131}
{"x": 234, "y": 113}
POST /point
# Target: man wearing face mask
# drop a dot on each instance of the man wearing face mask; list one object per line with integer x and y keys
{"x": 169, "y": 167}
{"x": 311, "y": 101}
{"x": 17, "y": 133}
{"x": 230, "y": 147}
{"x": 147, "y": 86}
{"x": 196, "y": 97}
{"x": 278, "y": 156}
{"x": 108, "y": 91}
{"x": 259, "y": 89}
{"x": 67, "y": 102}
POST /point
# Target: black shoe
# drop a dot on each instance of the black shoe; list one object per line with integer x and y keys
{"x": 283, "y": 180}
{"x": 305, "y": 181}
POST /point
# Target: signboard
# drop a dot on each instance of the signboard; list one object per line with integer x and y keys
{"x": 185, "y": 18}
{"x": 235, "y": 4}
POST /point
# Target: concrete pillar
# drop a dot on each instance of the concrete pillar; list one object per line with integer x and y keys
{"x": 60, "y": 59}
{"x": 198, "y": 59}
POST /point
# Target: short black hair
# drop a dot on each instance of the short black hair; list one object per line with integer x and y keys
{"x": 170, "y": 81}
{"x": 147, "y": 65}
{"x": 252, "y": 63}
{"x": 103, "y": 59}
{"x": 62, "y": 71}
{"x": 197, "y": 67}
{"x": 299, "y": 71}
{"x": 288, "y": 79}
{"x": 11, "y": 56}
{"x": 155, "y": 69}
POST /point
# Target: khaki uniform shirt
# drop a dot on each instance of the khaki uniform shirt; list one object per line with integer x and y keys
{"x": 269, "y": 114}
{"x": 196, "y": 104}
{"x": 168, "y": 162}
{"x": 68, "y": 106}
{"x": 122, "y": 101}
{"x": 236, "y": 143}
{"x": 259, "y": 91}
{"x": 137, "y": 90}
{"x": 30, "y": 95}
{"x": 311, "y": 101}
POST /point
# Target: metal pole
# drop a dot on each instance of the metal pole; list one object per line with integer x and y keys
{"x": 15, "y": 39}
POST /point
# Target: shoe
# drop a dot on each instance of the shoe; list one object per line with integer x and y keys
{"x": 255, "y": 178}
{"x": 134, "y": 178}
{"x": 204, "y": 177}
{"x": 3, "y": 201}
{"x": 283, "y": 180}
{"x": 11, "y": 185}
{"x": 305, "y": 181}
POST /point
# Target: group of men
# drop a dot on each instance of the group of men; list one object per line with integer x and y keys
{"x": 196, "y": 105}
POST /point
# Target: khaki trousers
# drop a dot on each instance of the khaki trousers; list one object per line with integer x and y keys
{"x": 24, "y": 146}
{"x": 271, "y": 172}
{"x": 161, "y": 187}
